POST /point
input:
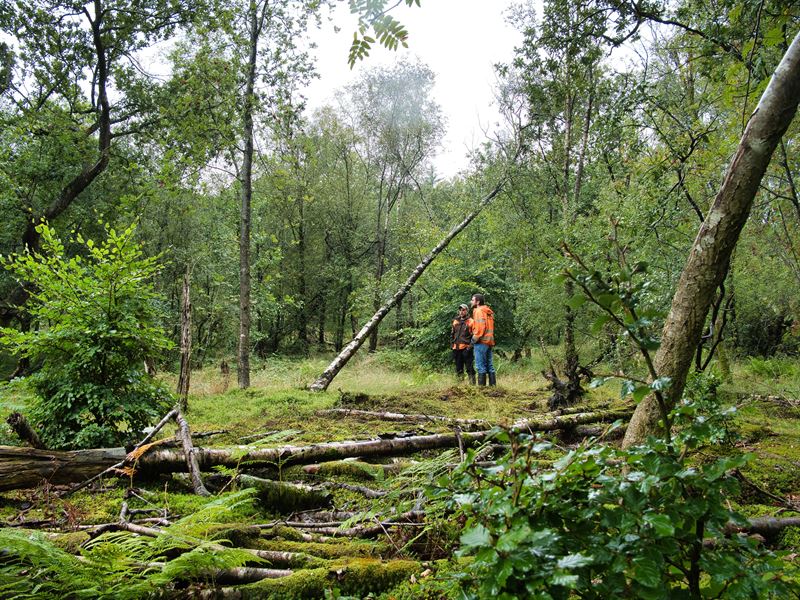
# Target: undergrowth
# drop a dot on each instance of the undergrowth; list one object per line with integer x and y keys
{"x": 277, "y": 411}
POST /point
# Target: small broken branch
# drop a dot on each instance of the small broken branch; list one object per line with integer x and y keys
{"x": 23, "y": 429}
{"x": 190, "y": 452}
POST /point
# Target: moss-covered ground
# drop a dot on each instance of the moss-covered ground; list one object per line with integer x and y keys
{"x": 411, "y": 561}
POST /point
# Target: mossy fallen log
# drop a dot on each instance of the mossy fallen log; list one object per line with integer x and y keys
{"x": 357, "y": 577}
{"x": 24, "y": 467}
{"x": 355, "y": 469}
{"x": 27, "y": 467}
{"x": 407, "y": 418}
{"x": 284, "y": 497}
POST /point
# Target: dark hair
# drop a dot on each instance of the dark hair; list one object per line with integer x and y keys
{"x": 479, "y": 298}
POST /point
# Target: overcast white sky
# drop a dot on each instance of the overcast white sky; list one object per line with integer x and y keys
{"x": 460, "y": 40}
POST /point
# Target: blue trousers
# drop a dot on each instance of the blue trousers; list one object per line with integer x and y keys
{"x": 483, "y": 359}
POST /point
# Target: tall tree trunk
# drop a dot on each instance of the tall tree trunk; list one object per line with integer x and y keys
{"x": 245, "y": 212}
{"x": 302, "y": 317}
{"x": 571, "y": 359}
{"x": 186, "y": 345}
{"x": 376, "y": 298}
{"x": 324, "y": 380}
{"x": 711, "y": 252}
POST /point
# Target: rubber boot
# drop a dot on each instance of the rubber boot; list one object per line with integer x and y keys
{"x": 492, "y": 379}
{"x": 471, "y": 378}
{"x": 481, "y": 378}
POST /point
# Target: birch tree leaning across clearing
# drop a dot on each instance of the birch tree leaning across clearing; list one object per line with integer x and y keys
{"x": 323, "y": 381}
{"x": 708, "y": 259}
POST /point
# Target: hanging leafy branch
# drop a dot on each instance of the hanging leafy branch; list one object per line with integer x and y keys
{"x": 387, "y": 31}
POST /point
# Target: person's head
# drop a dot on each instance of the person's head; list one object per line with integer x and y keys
{"x": 477, "y": 300}
{"x": 462, "y": 310}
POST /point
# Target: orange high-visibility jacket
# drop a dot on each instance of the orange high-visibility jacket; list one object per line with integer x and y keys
{"x": 461, "y": 333}
{"x": 483, "y": 329}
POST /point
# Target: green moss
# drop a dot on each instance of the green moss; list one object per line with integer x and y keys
{"x": 96, "y": 507}
{"x": 790, "y": 539}
{"x": 752, "y": 433}
{"x": 70, "y": 542}
{"x": 359, "y": 577}
{"x": 357, "y": 470}
{"x": 339, "y": 548}
{"x": 436, "y": 582}
{"x": 238, "y": 534}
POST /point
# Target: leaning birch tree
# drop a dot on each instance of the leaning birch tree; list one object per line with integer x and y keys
{"x": 711, "y": 251}
{"x": 323, "y": 381}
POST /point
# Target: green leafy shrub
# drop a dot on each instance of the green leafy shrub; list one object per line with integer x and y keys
{"x": 95, "y": 319}
{"x": 607, "y": 523}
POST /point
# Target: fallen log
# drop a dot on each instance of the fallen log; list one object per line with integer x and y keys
{"x": 26, "y": 467}
{"x": 281, "y": 496}
{"x": 23, "y": 467}
{"x": 412, "y": 418}
{"x": 349, "y": 579}
{"x": 570, "y": 420}
{"x": 359, "y": 489}
{"x": 272, "y": 556}
{"x": 767, "y": 527}
{"x": 356, "y": 469}
{"x": 166, "y": 460}
{"x": 164, "y": 420}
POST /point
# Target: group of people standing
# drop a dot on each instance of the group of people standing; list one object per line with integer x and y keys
{"x": 472, "y": 340}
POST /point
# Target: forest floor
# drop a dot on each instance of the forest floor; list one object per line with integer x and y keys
{"x": 368, "y": 533}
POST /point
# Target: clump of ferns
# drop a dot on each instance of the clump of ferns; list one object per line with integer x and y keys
{"x": 121, "y": 564}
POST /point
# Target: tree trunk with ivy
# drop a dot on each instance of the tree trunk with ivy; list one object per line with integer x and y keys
{"x": 708, "y": 259}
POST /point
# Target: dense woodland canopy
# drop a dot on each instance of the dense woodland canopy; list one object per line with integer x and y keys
{"x": 604, "y": 164}
{"x": 345, "y": 201}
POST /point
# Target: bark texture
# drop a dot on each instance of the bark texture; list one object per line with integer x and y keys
{"x": 190, "y": 452}
{"x": 708, "y": 259}
{"x": 25, "y": 467}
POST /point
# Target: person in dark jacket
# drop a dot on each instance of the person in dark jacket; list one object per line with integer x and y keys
{"x": 461, "y": 343}
{"x": 483, "y": 339}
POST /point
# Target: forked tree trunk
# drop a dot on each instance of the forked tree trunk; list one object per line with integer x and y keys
{"x": 708, "y": 259}
{"x": 324, "y": 380}
{"x": 31, "y": 238}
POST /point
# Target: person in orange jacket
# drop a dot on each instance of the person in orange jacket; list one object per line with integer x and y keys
{"x": 461, "y": 343}
{"x": 483, "y": 339}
